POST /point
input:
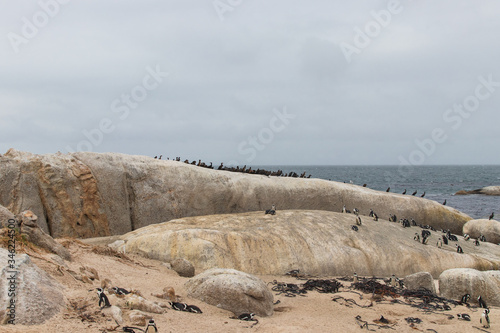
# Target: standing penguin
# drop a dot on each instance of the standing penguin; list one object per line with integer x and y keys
{"x": 358, "y": 220}
{"x": 465, "y": 299}
{"x": 394, "y": 281}
{"x": 416, "y": 237}
{"x": 445, "y": 240}
{"x": 355, "y": 278}
{"x": 151, "y": 327}
{"x": 485, "y": 318}
{"x": 375, "y": 217}
{"x": 482, "y": 303}
{"x": 439, "y": 243}
{"x": 459, "y": 249}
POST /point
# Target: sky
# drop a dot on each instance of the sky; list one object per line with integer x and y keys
{"x": 259, "y": 82}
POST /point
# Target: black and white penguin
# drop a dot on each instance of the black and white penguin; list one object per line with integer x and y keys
{"x": 439, "y": 243}
{"x": 271, "y": 211}
{"x": 459, "y": 249}
{"x": 355, "y": 278}
{"x": 482, "y": 238}
{"x": 481, "y": 302}
{"x": 151, "y": 327}
{"x": 178, "y": 306}
{"x": 485, "y": 318}
{"x": 246, "y": 316}
{"x": 416, "y": 237}
{"x": 193, "y": 309}
{"x": 103, "y": 299}
{"x": 120, "y": 291}
{"x": 371, "y": 213}
{"x": 465, "y": 299}
{"x": 375, "y": 217}
{"x": 466, "y": 237}
{"x": 358, "y": 220}
{"x": 344, "y": 210}
{"x": 445, "y": 240}
{"x": 492, "y": 216}
{"x": 393, "y": 281}
{"x": 476, "y": 242}
{"x": 354, "y": 227}
{"x": 355, "y": 211}
{"x": 463, "y": 316}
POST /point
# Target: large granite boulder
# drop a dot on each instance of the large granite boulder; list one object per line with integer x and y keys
{"x": 183, "y": 267}
{"x": 90, "y": 194}
{"x": 232, "y": 290}
{"x": 38, "y": 297}
{"x": 420, "y": 280}
{"x": 316, "y": 242}
{"x": 5, "y": 216}
{"x": 489, "y": 228}
{"x": 488, "y": 190}
{"x": 454, "y": 283}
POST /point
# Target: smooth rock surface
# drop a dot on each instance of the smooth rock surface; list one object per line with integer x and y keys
{"x": 5, "y": 216}
{"x": 489, "y": 228}
{"x": 488, "y": 190}
{"x": 92, "y": 195}
{"x": 232, "y": 290}
{"x": 183, "y": 267}
{"x": 454, "y": 283}
{"x": 38, "y": 295}
{"x": 316, "y": 242}
{"x": 420, "y": 280}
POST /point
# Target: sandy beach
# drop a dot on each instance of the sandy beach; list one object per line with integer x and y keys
{"x": 313, "y": 312}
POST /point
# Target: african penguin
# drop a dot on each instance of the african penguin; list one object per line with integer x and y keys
{"x": 151, "y": 327}
{"x": 466, "y": 237}
{"x": 358, "y": 220}
{"x": 465, "y": 299}
{"x": 193, "y": 309}
{"x": 178, "y": 306}
{"x": 485, "y": 319}
{"x": 482, "y": 303}
{"x": 476, "y": 242}
{"x": 393, "y": 281}
{"x": 120, "y": 291}
{"x": 463, "y": 316}
{"x": 355, "y": 278}
{"x": 246, "y": 316}
{"x": 375, "y": 217}
{"x": 459, "y": 249}
{"x": 445, "y": 240}
{"x": 103, "y": 299}
{"x": 439, "y": 243}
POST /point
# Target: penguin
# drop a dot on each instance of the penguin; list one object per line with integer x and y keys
{"x": 120, "y": 291}
{"x": 482, "y": 303}
{"x": 151, "y": 327}
{"x": 393, "y": 281}
{"x": 388, "y": 189}
{"x": 413, "y": 222}
{"x": 193, "y": 309}
{"x": 103, "y": 299}
{"x": 404, "y": 192}
{"x": 178, "y": 306}
{"x": 459, "y": 249}
{"x": 444, "y": 203}
{"x": 439, "y": 243}
{"x": 375, "y": 217}
{"x": 355, "y": 211}
{"x": 492, "y": 216}
{"x": 445, "y": 240}
{"x": 246, "y": 316}
{"x": 358, "y": 220}
{"x": 465, "y": 299}
{"x": 476, "y": 242}
{"x": 355, "y": 228}
{"x": 463, "y": 316}
{"x": 485, "y": 318}
{"x": 344, "y": 210}
{"x": 414, "y": 193}
{"x": 416, "y": 237}
{"x": 425, "y": 239}
{"x": 355, "y": 278}
{"x": 466, "y": 237}
{"x": 271, "y": 211}
{"x": 371, "y": 213}
{"x": 482, "y": 238}
{"x": 423, "y": 195}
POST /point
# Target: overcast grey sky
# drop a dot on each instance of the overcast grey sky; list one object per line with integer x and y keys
{"x": 254, "y": 82}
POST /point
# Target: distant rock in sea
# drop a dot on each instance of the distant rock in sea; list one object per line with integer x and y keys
{"x": 88, "y": 194}
{"x": 316, "y": 242}
{"x": 488, "y": 190}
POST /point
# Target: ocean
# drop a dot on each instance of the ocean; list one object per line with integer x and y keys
{"x": 440, "y": 183}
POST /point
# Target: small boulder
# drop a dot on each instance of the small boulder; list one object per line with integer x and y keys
{"x": 232, "y": 290}
{"x": 420, "y": 280}
{"x": 5, "y": 216}
{"x": 183, "y": 267}
{"x": 138, "y": 317}
{"x": 454, "y": 283}
{"x": 489, "y": 228}
{"x": 38, "y": 296}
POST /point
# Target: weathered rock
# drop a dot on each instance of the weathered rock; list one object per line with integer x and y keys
{"x": 5, "y": 216}
{"x": 138, "y": 317}
{"x": 89, "y": 194}
{"x": 232, "y": 290}
{"x": 420, "y": 280}
{"x": 38, "y": 296}
{"x": 37, "y": 236}
{"x": 183, "y": 267}
{"x": 489, "y": 228}
{"x": 454, "y": 283}
{"x": 316, "y": 242}
{"x": 136, "y": 302}
{"x": 488, "y": 190}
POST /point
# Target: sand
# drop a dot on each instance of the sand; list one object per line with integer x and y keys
{"x": 315, "y": 312}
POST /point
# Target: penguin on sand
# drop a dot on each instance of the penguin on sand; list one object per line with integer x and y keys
{"x": 271, "y": 211}
{"x": 109, "y": 310}
{"x": 485, "y": 318}
{"x": 151, "y": 327}
{"x": 482, "y": 303}
{"x": 355, "y": 278}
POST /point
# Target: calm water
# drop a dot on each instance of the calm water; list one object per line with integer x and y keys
{"x": 439, "y": 182}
